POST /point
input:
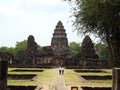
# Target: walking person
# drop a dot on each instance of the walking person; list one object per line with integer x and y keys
{"x": 62, "y": 70}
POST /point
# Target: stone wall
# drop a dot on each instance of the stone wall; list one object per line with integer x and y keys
{"x": 3, "y": 75}
{"x": 116, "y": 79}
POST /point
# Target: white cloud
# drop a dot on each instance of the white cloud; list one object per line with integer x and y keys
{"x": 34, "y": 17}
{"x": 24, "y": 7}
{"x": 11, "y": 10}
{"x": 47, "y": 1}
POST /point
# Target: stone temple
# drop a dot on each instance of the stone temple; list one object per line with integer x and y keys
{"x": 59, "y": 54}
{"x": 54, "y": 55}
{"x": 59, "y": 44}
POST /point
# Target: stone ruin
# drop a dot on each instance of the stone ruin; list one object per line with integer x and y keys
{"x": 55, "y": 55}
{"x": 4, "y": 58}
{"x": 31, "y": 52}
{"x": 87, "y": 49}
{"x": 59, "y": 44}
{"x": 58, "y": 54}
{"x": 87, "y": 58}
{"x": 45, "y": 56}
{"x": 59, "y": 41}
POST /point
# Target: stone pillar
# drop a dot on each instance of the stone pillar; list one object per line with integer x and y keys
{"x": 3, "y": 74}
{"x": 116, "y": 79}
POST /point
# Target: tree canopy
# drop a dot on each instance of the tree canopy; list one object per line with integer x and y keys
{"x": 100, "y": 17}
{"x": 74, "y": 47}
{"x": 102, "y": 50}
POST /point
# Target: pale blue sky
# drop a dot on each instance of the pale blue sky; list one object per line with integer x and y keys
{"x": 21, "y": 18}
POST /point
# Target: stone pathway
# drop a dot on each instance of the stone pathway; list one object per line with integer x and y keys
{"x": 58, "y": 83}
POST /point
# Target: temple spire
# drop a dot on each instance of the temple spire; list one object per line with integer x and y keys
{"x": 59, "y": 25}
{"x": 59, "y": 40}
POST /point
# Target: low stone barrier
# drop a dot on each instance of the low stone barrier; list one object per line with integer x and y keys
{"x": 3, "y": 74}
{"x": 116, "y": 79}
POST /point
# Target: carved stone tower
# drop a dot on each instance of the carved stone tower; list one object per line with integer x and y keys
{"x": 31, "y": 50}
{"x": 59, "y": 43}
{"x": 87, "y": 49}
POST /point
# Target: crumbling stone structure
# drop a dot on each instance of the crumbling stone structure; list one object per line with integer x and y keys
{"x": 31, "y": 52}
{"x": 45, "y": 57}
{"x": 87, "y": 49}
{"x": 87, "y": 58}
{"x": 3, "y": 74}
{"x": 58, "y": 53}
{"x": 59, "y": 44}
{"x": 4, "y": 58}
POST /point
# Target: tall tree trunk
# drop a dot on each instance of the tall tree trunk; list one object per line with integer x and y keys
{"x": 116, "y": 45}
{"x": 117, "y": 55}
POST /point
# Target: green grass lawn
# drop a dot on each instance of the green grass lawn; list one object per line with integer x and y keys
{"x": 22, "y": 83}
{"x": 71, "y": 77}
{"x": 44, "y": 77}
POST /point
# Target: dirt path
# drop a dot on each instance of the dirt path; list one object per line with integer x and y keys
{"x": 58, "y": 83}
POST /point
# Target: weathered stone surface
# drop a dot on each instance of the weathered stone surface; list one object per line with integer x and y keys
{"x": 59, "y": 44}
{"x": 46, "y": 52}
{"x": 58, "y": 53}
{"x": 59, "y": 41}
{"x": 116, "y": 79}
{"x": 6, "y": 56}
{"x": 32, "y": 51}
{"x": 87, "y": 58}
{"x": 45, "y": 57}
{"x": 3, "y": 74}
{"x": 87, "y": 49}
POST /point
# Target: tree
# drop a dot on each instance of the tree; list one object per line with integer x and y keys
{"x": 3, "y": 49}
{"x": 75, "y": 48}
{"x": 101, "y": 17}
{"x": 6, "y": 49}
{"x": 20, "y": 49}
{"x": 39, "y": 48}
{"x": 102, "y": 50}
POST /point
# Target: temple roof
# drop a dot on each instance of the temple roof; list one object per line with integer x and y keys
{"x": 59, "y": 25}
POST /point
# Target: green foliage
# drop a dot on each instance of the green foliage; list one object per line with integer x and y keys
{"x": 39, "y": 48}
{"x": 20, "y": 49}
{"x": 6, "y": 49}
{"x": 75, "y": 48}
{"x": 100, "y": 17}
{"x": 3, "y": 49}
{"x": 103, "y": 51}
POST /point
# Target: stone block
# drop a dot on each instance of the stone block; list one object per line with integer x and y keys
{"x": 3, "y": 74}
{"x": 116, "y": 79}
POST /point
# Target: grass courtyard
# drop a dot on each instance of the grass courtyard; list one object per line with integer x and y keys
{"x": 46, "y": 76}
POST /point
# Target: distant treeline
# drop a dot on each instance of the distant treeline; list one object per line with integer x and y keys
{"x": 20, "y": 49}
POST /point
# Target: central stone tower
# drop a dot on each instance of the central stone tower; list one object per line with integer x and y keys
{"x": 59, "y": 44}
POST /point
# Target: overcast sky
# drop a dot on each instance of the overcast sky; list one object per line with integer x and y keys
{"x": 21, "y": 18}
